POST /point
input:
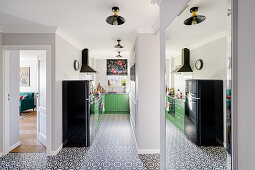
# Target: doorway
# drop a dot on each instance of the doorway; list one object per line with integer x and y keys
{"x": 26, "y": 91}
{"x": 32, "y": 99}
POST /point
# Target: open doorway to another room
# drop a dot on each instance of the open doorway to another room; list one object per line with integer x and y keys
{"x": 198, "y": 80}
{"x": 32, "y": 100}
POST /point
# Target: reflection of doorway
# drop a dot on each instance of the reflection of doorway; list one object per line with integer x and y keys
{"x": 32, "y": 80}
{"x": 26, "y": 127}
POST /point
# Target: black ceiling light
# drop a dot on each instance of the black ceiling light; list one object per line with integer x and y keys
{"x": 195, "y": 19}
{"x": 118, "y": 45}
{"x": 115, "y": 19}
{"x": 119, "y": 54}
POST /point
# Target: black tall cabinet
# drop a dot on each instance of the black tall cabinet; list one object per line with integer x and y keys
{"x": 204, "y": 112}
{"x": 76, "y": 114}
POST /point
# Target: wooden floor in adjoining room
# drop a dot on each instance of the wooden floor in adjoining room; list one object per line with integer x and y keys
{"x": 28, "y": 135}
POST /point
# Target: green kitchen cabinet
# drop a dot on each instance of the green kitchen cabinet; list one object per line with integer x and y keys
{"x": 110, "y": 103}
{"x": 179, "y": 114}
{"x": 116, "y": 103}
{"x": 122, "y": 103}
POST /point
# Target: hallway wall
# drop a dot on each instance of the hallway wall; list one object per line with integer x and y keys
{"x": 147, "y": 128}
{"x": 66, "y": 53}
{"x": 1, "y": 93}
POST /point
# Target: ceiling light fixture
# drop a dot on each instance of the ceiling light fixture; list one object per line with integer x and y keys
{"x": 119, "y": 54}
{"x": 194, "y": 19}
{"x": 118, "y": 45}
{"x": 115, "y": 19}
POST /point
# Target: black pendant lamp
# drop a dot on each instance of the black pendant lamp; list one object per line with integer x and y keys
{"x": 115, "y": 19}
{"x": 194, "y": 19}
{"x": 118, "y": 45}
{"x": 119, "y": 55}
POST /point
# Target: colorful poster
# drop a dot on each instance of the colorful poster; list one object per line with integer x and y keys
{"x": 24, "y": 77}
{"x": 116, "y": 67}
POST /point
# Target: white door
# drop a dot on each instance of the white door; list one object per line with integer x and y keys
{"x": 41, "y": 102}
{"x": 13, "y": 87}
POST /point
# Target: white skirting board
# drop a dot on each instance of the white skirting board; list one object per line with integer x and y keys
{"x": 14, "y": 146}
{"x": 148, "y": 151}
{"x": 53, "y": 153}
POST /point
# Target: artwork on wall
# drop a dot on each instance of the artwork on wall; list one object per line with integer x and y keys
{"x": 24, "y": 77}
{"x": 116, "y": 67}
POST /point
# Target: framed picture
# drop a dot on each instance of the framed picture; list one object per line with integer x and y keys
{"x": 116, "y": 67}
{"x": 24, "y": 76}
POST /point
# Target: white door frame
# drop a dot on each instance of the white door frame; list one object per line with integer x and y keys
{"x": 5, "y": 139}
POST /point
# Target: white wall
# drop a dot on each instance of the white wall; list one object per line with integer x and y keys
{"x": 66, "y": 53}
{"x": 33, "y": 64}
{"x": 244, "y": 71}
{"x": 100, "y": 76}
{"x": 1, "y": 93}
{"x": 147, "y": 129}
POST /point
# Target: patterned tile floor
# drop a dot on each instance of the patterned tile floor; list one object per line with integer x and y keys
{"x": 113, "y": 148}
{"x": 183, "y": 154}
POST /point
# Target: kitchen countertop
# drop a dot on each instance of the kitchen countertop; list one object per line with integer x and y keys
{"x": 176, "y": 98}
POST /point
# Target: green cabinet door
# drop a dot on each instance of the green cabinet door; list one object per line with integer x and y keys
{"x": 179, "y": 114}
{"x": 122, "y": 102}
{"x": 110, "y": 103}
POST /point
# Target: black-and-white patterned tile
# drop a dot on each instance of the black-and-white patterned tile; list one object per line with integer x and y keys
{"x": 113, "y": 148}
{"x": 183, "y": 154}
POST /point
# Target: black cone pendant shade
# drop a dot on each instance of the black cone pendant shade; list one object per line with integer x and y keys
{"x": 118, "y": 45}
{"x": 119, "y": 54}
{"x": 195, "y": 19}
{"x": 115, "y": 19}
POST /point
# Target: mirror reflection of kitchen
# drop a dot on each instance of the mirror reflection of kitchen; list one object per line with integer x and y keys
{"x": 198, "y": 87}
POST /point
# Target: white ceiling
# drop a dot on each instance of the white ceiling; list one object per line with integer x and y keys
{"x": 31, "y": 54}
{"x": 181, "y": 36}
{"x": 83, "y": 20}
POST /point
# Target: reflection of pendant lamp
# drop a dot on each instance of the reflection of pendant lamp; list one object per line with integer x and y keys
{"x": 119, "y": 54}
{"x": 118, "y": 45}
{"x": 115, "y": 19}
{"x": 194, "y": 19}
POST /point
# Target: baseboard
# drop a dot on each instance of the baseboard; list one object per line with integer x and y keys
{"x": 14, "y": 146}
{"x": 53, "y": 153}
{"x": 42, "y": 139}
{"x": 148, "y": 151}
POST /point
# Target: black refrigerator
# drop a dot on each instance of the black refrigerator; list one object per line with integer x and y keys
{"x": 204, "y": 112}
{"x": 76, "y": 113}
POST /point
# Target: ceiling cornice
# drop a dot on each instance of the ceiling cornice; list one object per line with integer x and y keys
{"x": 69, "y": 39}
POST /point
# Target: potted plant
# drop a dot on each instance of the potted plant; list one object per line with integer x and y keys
{"x": 123, "y": 82}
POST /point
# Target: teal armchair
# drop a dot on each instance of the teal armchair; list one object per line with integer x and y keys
{"x": 28, "y": 103}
